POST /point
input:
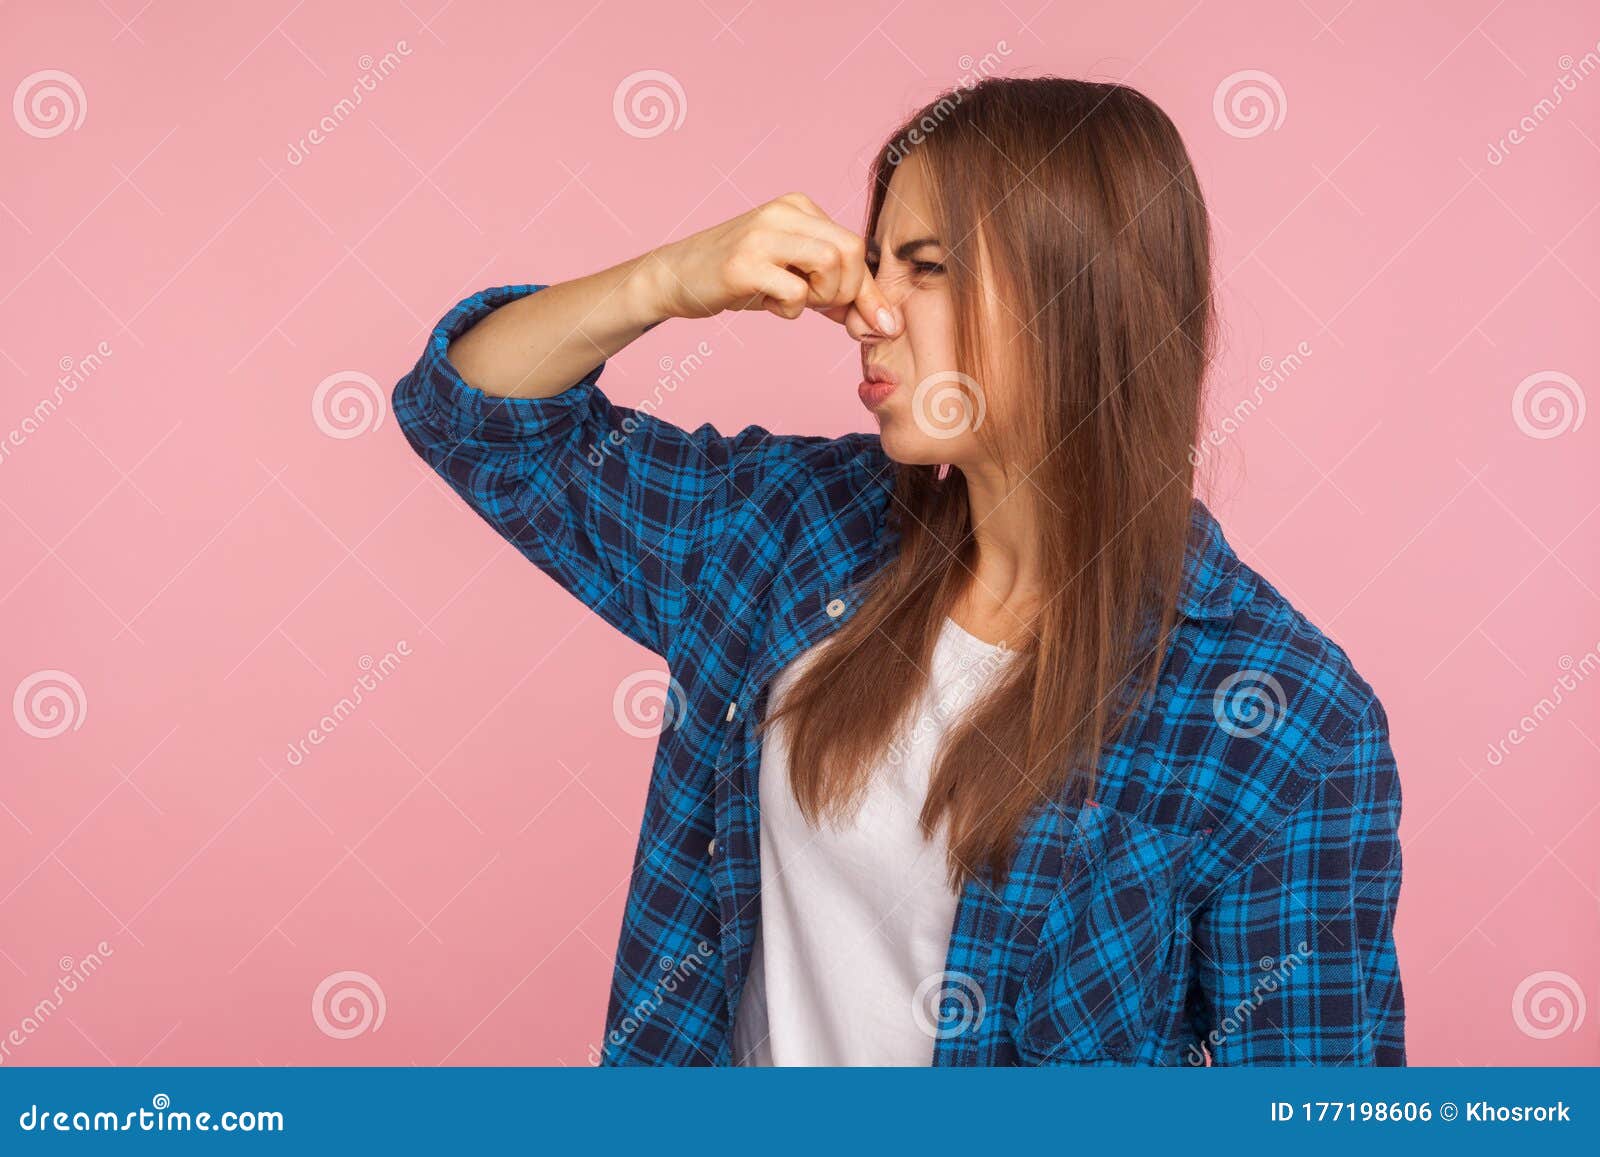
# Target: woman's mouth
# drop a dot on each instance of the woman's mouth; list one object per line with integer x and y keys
{"x": 874, "y": 394}
{"x": 876, "y": 387}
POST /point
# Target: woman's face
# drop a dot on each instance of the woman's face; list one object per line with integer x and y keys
{"x": 927, "y": 410}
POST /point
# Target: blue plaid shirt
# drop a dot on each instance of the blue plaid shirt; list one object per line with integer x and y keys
{"x": 1230, "y": 891}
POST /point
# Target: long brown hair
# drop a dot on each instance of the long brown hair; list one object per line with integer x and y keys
{"x": 1092, "y": 222}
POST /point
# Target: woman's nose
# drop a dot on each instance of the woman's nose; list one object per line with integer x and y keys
{"x": 868, "y": 334}
{"x": 856, "y": 326}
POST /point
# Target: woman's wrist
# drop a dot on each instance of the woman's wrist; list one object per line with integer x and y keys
{"x": 645, "y": 289}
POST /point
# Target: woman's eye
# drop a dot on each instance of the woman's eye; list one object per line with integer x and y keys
{"x": 919, "y": 268}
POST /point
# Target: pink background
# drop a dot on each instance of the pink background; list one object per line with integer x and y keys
{"x": 184, "y": 538}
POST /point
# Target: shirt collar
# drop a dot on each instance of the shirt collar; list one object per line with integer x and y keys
{"x": 1213, "y": 577}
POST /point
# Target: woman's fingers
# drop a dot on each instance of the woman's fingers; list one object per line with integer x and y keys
{"x": 856, "y": 284}
{"x": 824, "y": 267}
{"x": 874, "y": 307}
{"x": 781, "y": 292}
{"x": 728, "y": 266}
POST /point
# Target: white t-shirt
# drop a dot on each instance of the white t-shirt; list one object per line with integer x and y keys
{"x": 855, "y": 923}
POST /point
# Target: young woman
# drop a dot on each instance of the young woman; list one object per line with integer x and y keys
{"x": 991, "y": 750}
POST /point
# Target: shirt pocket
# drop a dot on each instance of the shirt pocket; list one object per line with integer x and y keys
{"x": 1111, "y": 944}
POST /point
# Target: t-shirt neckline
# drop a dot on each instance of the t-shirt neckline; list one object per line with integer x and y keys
{"x": 968, "y": 637}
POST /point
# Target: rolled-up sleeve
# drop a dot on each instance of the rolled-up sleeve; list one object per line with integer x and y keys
{"x": 1295, "y": 960}
{"x": 621, "y": 508}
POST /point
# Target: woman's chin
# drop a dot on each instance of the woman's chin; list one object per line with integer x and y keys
{"x": 910, "y": 447}
{"x": 892, "y": 437}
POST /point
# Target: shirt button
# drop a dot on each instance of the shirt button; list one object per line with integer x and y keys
{"x": 835, "y": 608}
{"x": 711, "y": 848}
{"x": 733, "y": 709}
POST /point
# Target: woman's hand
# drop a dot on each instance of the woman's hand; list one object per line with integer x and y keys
{"x": 785, "y": 257}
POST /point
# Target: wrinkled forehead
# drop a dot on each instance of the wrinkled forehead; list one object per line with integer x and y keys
{"x": 909, "y": 212}
{"x": 908, "y": 208}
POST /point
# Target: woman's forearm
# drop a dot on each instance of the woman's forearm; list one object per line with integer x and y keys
{"x": 538, "y": 345}
{"x": 785, "y": 256}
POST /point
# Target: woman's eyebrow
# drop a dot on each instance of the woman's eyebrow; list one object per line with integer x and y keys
{"x": 905, "y": 249}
